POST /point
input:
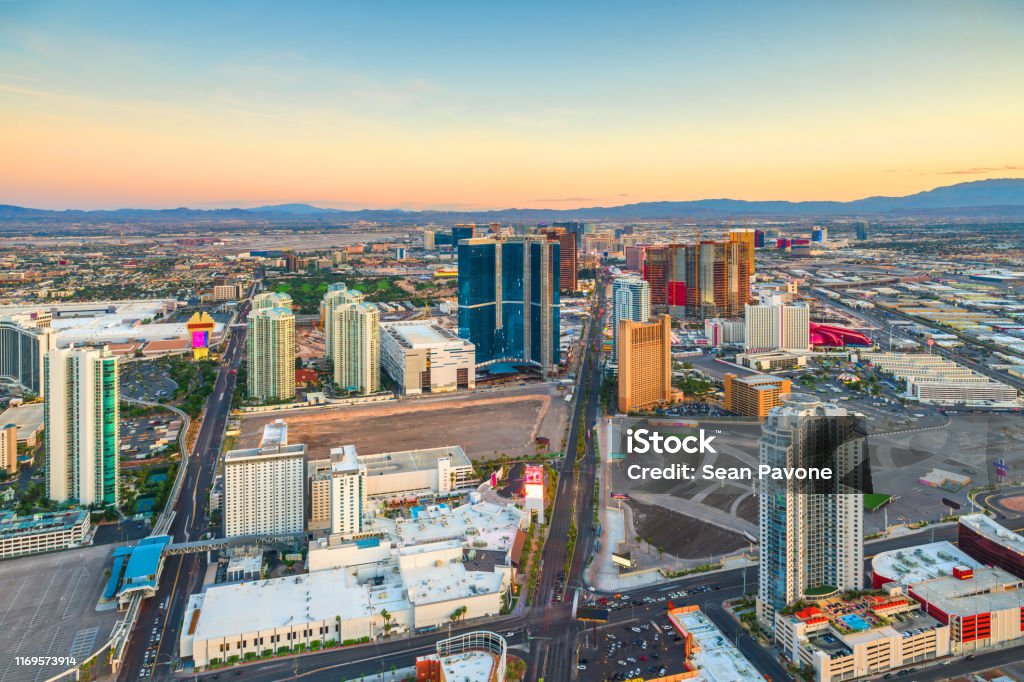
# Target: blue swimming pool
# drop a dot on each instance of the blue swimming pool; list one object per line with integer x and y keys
{"x": 854, "y": 622}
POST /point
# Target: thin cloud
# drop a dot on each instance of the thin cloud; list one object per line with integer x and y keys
{"x": 982, "y": 170}
{"x": 561, "y": 200}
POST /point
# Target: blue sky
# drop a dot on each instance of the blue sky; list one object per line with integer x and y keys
{"x": 489, "y": 105}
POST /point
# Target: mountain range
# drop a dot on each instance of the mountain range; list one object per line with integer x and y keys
{"x": 996, "y": 198}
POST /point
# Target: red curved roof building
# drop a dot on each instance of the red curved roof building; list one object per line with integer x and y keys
{"x": 836, "y": 337}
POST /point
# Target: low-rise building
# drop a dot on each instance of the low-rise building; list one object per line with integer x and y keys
{"x": 753, "y": 396}
{"x": 772, "y": 361}
{"x": 421, "y": 356}
{"x": 934, "y": 380}
{"x": 479, "y": 656}
{"x": 846, "y": 639}
{"x": 23, "y": 535}
{"x": 405, "y": 576}
{"x": 991, "y": 543}
{"x": 29, "y": 420}
{"x": 709, "y": 655}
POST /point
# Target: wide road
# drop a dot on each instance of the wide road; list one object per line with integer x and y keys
{"x": 183, "y": 575}
{"x": 555, "y": 655}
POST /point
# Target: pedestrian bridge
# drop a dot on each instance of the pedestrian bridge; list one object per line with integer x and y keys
{"x": 199, "y": 546}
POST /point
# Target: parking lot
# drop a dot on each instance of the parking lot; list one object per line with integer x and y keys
{"x": 147, "y": 381}
{"x": 146, "y": 437}
{"x": 642, "y": 646}
{"x": 49, "y": 609}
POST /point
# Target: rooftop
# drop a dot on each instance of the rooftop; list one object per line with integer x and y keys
{"x": 990, "y": 589}
{"x": 344, "y": 460}
{"x": 484, "y": 525}
{"x": 275, "y": 434}
{"x": 12, "y": 525}
{"x": 986, "y": 527}
{"x": 281, "y": 602}
{"x": 426, "y": 585}
{"x": 28, "y": 418}
{"x": 421, "y": 334}
{"x": 714, "y": 657}
{"x": 412, "y": 460}
{"x": 469, "y": 665}
{"x": 926, "y": 562}
{"x": 236, "y": 456}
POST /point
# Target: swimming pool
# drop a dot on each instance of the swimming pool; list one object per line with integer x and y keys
{"x": 854, "y": 622}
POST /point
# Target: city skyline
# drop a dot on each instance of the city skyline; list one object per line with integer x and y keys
{"x": 364, "y": 107}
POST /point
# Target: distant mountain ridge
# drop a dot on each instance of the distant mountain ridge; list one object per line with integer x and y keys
{"x": 996, "y": 197}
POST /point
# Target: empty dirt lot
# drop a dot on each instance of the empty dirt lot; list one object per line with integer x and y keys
{"x": 484, "y": 425}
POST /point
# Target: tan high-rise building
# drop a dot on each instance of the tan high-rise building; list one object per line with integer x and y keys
{"x": 748, "y": 236}
{"x": 754, "y": 396}
{"x": 645, "y": 363}
{"x": 568, "y": 257}
{"x": 271, "y": 354}
{"x": 9, "y": 448}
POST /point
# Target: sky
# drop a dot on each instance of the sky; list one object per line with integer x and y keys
{"x": 470, "y": 105}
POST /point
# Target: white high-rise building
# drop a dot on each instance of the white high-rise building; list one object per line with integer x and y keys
{"x": 777, "y": 326}
{"x": 631, "y": 300}
{"x": 812, "y": 536}
{"x": 270, "y": 347}
{"x": 83, "y": 444}
{"x": 356, "y": 347}
{"x": 337, "y": 295}
{"x": 264, "y": 490}
{"x": 271, "y": 299}
{"x": 348, "y": 491}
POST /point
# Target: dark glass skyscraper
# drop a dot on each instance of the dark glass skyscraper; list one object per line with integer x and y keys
{"x": 460, "y": 232}
{"x": 509, "y": 299}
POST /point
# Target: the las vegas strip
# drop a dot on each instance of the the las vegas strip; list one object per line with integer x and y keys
{"x": 256, "y": 425}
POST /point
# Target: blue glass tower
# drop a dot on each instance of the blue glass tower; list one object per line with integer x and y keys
{"x": 509, "y": 299}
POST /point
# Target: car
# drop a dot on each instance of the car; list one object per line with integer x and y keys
{"x": 970, "y": 657}
{"x": 581, "y": 666}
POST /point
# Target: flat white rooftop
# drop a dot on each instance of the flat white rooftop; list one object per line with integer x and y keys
{"x": 716, "y": 658}
{"x": 228, "y": 610}
{"x": 421, "y": 335}
{"x": 235, "y": 456}
{"x": 448, "y": 581}
{"x": 990, "y": 589}
{"x": 484, "y": 525}
{"x": 469, "y": 665}
{"x": 28, "y": 418}
{"x": 413, "y": 460}
{"x": 344, "y": 460}
{"x": 988, "y": 528}
{"x": 925, "y": 562}
{"x": 275, "y": 434}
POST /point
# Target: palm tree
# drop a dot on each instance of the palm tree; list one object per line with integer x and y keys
{"x": 386, "y": 615}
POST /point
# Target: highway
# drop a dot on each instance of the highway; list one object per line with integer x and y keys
{"x": 183, "y": 575}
